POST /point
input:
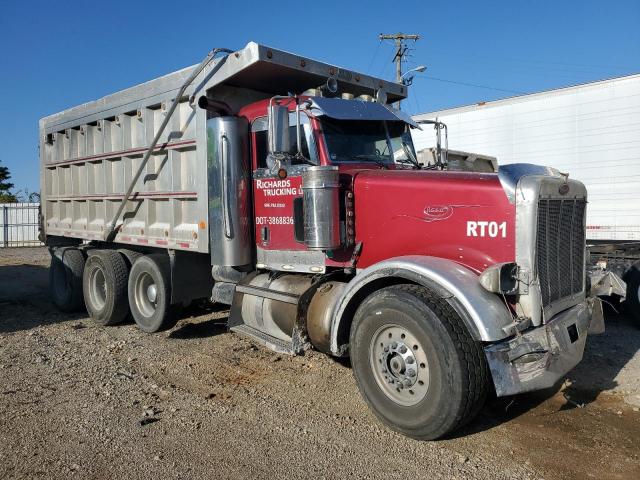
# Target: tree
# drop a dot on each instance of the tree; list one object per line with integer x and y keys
{"x": 27, "y": 196}
{"x": 5, "y": 186}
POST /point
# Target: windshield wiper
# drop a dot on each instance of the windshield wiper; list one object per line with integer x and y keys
{"x": 374, "y": 158}
{"x": 406, "y": 161}
{"x": 410, "y": 157}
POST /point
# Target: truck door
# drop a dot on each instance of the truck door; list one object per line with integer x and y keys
{"x": 276, "y": 196}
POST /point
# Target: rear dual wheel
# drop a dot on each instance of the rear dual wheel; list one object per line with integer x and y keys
{"x": 105, "y": 287}
{"x": 149, "y": 292}
{"x": 111, "y": 284}
{"x": 415, "y": 362}
{"x": 65, "y": 278}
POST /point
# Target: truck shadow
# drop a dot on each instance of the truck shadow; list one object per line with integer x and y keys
{"x": 188, "y": 329}
{"x": 24, "y": 299}
{"x": 605, "y": 357}
{"x": 25, "y": 304}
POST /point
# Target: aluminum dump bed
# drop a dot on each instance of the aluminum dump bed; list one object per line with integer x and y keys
{"x": 89, "y": 154}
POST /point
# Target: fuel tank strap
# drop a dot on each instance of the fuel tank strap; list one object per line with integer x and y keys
{"x": 267, "y": 293}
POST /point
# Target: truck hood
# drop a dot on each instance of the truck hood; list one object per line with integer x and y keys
{"x": 462, "y": 216}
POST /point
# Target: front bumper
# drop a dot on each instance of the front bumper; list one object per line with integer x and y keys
{"x": 539, "y": 357}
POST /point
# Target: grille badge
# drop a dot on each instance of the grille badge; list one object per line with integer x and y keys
{"x": 564, "y": 189}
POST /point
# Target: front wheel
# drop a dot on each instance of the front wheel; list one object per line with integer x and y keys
{"x": 415, "y": 363}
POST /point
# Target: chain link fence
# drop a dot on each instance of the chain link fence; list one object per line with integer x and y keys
{"x": 19, "y": 225}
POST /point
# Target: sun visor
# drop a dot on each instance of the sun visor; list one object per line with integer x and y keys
{"x": 358, "y": 110}
{"x": 406, "y": 118}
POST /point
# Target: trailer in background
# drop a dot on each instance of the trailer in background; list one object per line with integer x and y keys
{"x": 591, "y": 132}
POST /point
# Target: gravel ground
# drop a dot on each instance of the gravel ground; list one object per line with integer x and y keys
{"x": 82, "y": 401}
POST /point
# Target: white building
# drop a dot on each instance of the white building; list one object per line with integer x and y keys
{"x": 591, "y": 131}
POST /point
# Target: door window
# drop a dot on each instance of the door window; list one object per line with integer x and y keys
{"x": 308, "y": 146}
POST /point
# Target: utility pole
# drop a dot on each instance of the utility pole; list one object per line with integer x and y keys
{"x": 401, "y": 48}
{"x": 401, "y": 51}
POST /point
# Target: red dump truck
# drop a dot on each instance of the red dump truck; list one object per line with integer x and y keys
{"x": 289, "y": 190}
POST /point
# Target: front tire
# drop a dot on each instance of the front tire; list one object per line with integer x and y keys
{"x": 150, "y": 294}
{"x": 104, "y": 283}
{"x": 415, "y": 363}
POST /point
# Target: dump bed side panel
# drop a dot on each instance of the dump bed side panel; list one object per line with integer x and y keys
{"x": 90, "y": 154}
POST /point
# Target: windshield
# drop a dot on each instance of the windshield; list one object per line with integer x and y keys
{"x": 365, "y": 140}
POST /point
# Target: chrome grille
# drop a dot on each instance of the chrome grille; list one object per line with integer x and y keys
{"x": 560, "y": 248}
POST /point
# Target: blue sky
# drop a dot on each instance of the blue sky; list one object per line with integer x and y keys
{"x": 59, "y": 54}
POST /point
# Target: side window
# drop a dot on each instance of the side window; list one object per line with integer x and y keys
{"x": 259, "y": 129}
{"x": 308, "y": 145}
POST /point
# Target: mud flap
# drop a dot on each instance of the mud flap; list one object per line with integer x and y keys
{"x": 596, "y": 325}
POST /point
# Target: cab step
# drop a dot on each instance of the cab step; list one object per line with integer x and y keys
{"x": 273, "y": 343}
{"x": 269, "y": 335}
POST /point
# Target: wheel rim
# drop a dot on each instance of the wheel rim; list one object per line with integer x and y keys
{"x": 146, "y": 294}
{"x": 98, "y": 288}
{"x": 399, "y": 364}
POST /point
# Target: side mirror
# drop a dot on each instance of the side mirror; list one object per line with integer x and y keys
{"x": 279, "y": 140}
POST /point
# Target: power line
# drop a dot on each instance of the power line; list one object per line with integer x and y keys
{"x": 445, "y": 80}
{"x": 375, "y": 55}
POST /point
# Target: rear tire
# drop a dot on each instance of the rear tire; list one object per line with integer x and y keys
{"x": 415, "y": 363}
{"x": 65, "y": 278}
{"x": 105, "y": 287}
{"x": 150, "y": 294}
{"x": 632, "y": 302}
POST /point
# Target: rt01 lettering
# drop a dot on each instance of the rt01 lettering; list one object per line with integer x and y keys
{"x": 486, "y": 229}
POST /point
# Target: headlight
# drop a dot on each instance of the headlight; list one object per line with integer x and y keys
{"x": 500, "y": 278}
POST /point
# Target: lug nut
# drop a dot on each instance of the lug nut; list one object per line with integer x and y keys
{"x": 410, "y": 360}
{"x": 407, "y": 383}
{"x": 403, "y": 349}
{"x": 394, "y": 345}
{"x": 411, "y": 373}
{"x": 386, "y": 349}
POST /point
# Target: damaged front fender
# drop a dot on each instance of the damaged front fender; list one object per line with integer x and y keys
{"x": 539, "y": 357}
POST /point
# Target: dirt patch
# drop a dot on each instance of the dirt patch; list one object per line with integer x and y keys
{"x": 82, "y": 401}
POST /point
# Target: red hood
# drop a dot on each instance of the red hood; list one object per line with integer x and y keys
{"x": 465, "y": 217}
